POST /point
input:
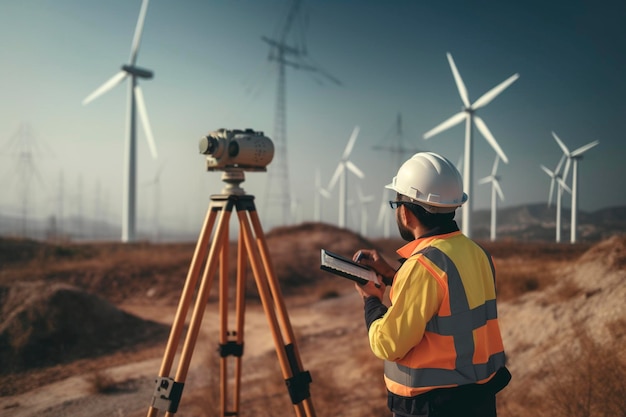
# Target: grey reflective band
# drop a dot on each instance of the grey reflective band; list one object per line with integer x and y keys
{"x": 433, "y": 377}
{"x": 460, "y": 326}
{"x": 475, "y": 318}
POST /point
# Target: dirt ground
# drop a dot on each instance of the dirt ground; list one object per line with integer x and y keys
{"x": 326, "y": 331}
{"x": 559, "y": 287}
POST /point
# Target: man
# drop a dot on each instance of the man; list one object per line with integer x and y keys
{"x": 439, "y": 338}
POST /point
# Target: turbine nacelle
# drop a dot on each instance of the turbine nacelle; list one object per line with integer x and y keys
{"x": 137, "y": 71}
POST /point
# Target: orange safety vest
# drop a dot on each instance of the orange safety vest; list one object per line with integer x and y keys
{"x": 462, "y": 344}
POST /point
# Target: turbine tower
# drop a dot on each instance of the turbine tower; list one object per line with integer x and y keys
{"x": 277, "y": 191}
{"x": 135, "y": 103}
{"x": 574, "y": 157}
{"x": 561, "y": 185}
{"x": 364, "y": 200}
{"x": 469, "y": 115}
{"x": 384, "y": 213}
{"x": 496, "y": 191}
{"x": 319, "y": 192}
{"x": 343, "y": 167}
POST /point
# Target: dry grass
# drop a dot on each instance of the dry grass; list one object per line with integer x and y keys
{"x": 588, "y": 381}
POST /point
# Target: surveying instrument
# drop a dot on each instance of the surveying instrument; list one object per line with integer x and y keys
{"x": 231, "y": 151}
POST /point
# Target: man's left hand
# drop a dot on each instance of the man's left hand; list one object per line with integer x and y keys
{"x": 370, "y": 289}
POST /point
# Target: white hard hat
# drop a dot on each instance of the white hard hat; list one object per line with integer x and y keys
{"x": 432, "y": 181}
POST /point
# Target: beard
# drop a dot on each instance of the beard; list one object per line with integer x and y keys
{"x": 405, "y": 232}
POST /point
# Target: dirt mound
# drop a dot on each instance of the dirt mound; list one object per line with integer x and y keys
{"x": 586, "y": 302}
{"x": 295, "y": 250}
{"x": 610, "y": 252}
{"x": 43, "y": 324}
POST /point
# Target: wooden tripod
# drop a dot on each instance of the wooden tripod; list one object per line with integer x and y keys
{"x": 168, "y": 391}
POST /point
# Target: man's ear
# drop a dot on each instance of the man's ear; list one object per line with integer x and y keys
{"x": 404, "y": 213}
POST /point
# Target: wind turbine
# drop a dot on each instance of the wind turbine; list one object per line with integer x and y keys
{"x": 319, "y": 192}
{"x": 364, "y": 200}
{"x": 496, "y": 191}
{"x": 156, "y": 183}
{"x": 574, "y": 157}
{"x": 561, "y": 185}
{"x": 343, "y": 167}
{"x": 135, "y": 102}
{"x": 468, "y": 114}
{"x": 383, "y": 214}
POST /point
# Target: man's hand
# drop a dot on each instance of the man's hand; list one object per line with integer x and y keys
{"x": 370, "y": 289}
{"x": 373, "y": 259}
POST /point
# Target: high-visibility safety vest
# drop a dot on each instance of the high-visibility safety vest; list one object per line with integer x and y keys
{"x": 462, "y": 343}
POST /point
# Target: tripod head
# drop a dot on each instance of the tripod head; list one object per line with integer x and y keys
{"x": 233, "y": 177}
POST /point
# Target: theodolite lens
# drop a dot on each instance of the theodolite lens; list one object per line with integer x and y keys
{"x": 233, "y": 149}
{"x": 208, "y": 145}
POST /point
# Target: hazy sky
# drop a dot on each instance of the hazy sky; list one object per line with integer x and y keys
{"x": 212, "y": 70}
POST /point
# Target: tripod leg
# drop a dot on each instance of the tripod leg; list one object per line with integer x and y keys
{"x": 289, "y": 363}
{"x": 231, "y": 343}
{"x": 223, "y": 312}
{"x": 240, "y": 313}
{"x": 172, "y": 389}
{"x": 186, "y": 296}
{"x": 294, "y": 355}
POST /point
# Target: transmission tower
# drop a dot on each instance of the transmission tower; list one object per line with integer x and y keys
{"x": 397, "y": 145}
{"x": 394, "y": 144}
{"x": 23, "y": 145}
{"x": 277, "y": 193}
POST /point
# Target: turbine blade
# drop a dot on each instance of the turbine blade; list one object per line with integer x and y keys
{"x": 355, "y": 170}
{"x": 138, "y": 31}
{"x": 552, "y": 176}
{"x": 494, "y": 92}
{"x": 564, "y": 185}
{"x": 324, "y": 192}
{"x": 452, "y": 121}
{"x": 459, "y": 81}
{"x": 584, "y": 148}
{"x": 143, "y": 115}
{"x": 482, "y": 127}
{"x": 495, "y": 166}
{"x": 109, "y": 84}
{"x": 551, "y": 193}
{"x": 547, "y": 171}
{"x": 566, "y": 170}
{"x": 561, "y": 144}
{"x": 496, "y": 185}
{"x": 351, "y": 141}
{"x": 335, "y": 177}
{"x": 486, "y": 179}
{"x": 560, "y": 164}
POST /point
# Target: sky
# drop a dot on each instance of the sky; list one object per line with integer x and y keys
{"x": 211, "y": 71}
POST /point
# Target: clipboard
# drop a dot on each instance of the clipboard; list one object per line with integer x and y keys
{"x": 347, "y": 268}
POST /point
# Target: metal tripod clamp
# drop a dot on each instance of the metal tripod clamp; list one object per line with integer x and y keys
{"x": 298, "y": 384}
{"x": 231, "y": 348}
{"x": 167, "y": 394}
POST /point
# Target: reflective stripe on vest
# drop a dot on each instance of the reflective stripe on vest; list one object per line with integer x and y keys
{"x": 459, "y": 325}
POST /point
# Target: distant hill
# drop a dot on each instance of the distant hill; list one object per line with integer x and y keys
{"x": 538, "y": 222}
{"x": 528, "y": 222}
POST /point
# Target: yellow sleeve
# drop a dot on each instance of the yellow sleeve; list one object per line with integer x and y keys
{"x": 416, "y": 297}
